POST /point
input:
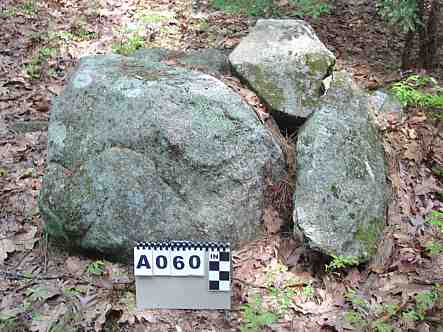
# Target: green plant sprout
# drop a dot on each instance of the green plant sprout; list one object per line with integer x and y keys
{"x": 409, "y": 94}
{"x": 248, "y": 7}
{"x": 340, "y": 262}
{"x": 380, "y": 326}
{"x": 37, "y": 294}
{"x": 433, "y": 247}
{"x": 356, "y": 300}
{"x": 33, "y": 68}
{"x": 28, "y": 8}
{"x": 424, "y": 302}
{"x": 8, "y": 12}
{"x": 96, "y": 268}
{"x": 256, "y": 317}
{"x": 132, "y": 44}
{"x": 436, "y": 218}
{"x": 311, "y": 8}
{"x": 354, "y": 318}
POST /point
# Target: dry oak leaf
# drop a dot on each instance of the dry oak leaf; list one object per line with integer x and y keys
{"x": 6, "y": 246}
{"x": 272, "y": 221}
{"x": 18, "y": 242}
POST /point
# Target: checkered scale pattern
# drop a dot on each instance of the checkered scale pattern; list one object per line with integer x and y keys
{"x": 219, "y": 270}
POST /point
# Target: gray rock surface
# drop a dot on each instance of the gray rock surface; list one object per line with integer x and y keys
{"x": 384, "y": 105}
{"x": 208, "y": 60}
{"x": 340, "y": 193}
{"x": 139, "y": 150}
{"x": 284, "y": 62}
{"x": 383, "y": 102}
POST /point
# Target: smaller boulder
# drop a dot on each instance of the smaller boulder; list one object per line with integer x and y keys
{"x": 284, "y": 62}
{"x": 340, "y": 194}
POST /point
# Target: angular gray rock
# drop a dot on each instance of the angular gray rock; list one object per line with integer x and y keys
{"x": 284, "y": 62}
{"x": 139, "y": 150}
{"x": 384, "y": 105}
{"x": 340, "y": 195}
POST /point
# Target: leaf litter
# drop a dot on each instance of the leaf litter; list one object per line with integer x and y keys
{"x": 44, "y": 287}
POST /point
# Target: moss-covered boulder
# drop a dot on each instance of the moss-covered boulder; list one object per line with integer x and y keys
{"x": 340, "y": 194}
{"x": 140, "y": 150}
{"x": 284, "y": 62}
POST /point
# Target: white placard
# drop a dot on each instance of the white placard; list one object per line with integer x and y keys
{"x": 180, "y": 262}
{"x": 142, "y": 262}
{"x": 197, "y": 262}
{"x": 161, "y": 261}
{"x": 187, "y": 262}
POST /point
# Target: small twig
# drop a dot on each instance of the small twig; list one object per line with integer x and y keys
{"x": 21, "y": 276}
{"x": 249, "y": 283}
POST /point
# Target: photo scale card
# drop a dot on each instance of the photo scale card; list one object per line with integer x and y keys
{"x": 183, "y": 275}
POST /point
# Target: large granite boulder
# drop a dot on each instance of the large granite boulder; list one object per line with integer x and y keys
{"x": 340, "y": 195}
{"x": 284, "y": 62}
{"x": 140, "y": 150}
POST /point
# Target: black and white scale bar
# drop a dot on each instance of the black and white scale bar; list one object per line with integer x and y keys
{"x": 219, "y": 271}
{"x": 174, "y": 244}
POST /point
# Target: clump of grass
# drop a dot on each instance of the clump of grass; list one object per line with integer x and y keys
{"x": 8, "y": 12}
{"x": 341, "y": 262}
{"x": 96, "y": 268}
{"x": 28, "y": 8}
{"x": 420, "y": 91}
{"x": 128, "y": 46}
{"x": 436, "y": 218}
{"x": 311, "y": 8}
{"x": 248, "y": 7}
{"x": 299, "y": 8}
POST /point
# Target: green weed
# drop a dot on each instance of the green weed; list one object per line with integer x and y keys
{"x": 433, "y": 248}
{"x": 355, "y": 318}
{"x": 410, "y": 92}
{"x": 248, "y": 7}
{"x": 28, "y": 8}
{"x": 97, "y": 268}
{"x": 340, "y": 262}
{"x": 356, "y": 300}
{"x": 47, "y": 52}
{"x": 380, "y": 326}
{"x": 424, "y": 302}
{"x": 436, "y": 218}
{"x": 303, "y": 8}
{"x": 33, "y": 68}
{"x": 307, "y": 292}
{"x": 132, "y": 44}
{"x": 8, "y": 12}
{"x": 72, "y": 291}
{"x": 80, "y": 30}
{"x": 438, "y": 171}
{"x": 255, "y": 317}
{"x": 37, "y": 294}
{"x": 311, "y": 8}
{"x": 8, "y": 322}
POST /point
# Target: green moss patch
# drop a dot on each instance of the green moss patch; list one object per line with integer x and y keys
{"x": 370, "y": 234}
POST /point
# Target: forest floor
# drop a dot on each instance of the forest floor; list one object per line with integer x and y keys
{"x": 276, "y": 286}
